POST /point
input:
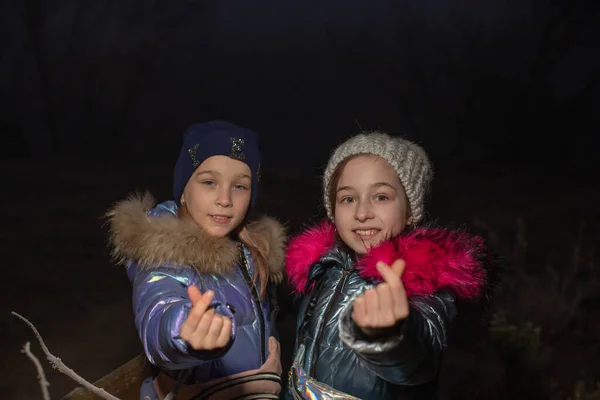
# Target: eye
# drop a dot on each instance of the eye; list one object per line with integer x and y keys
{"x": 208, "y": 182}
{"x": 347, "y": 199}
{"x": 381, "y": 197}
{"x": 240, "y": 187}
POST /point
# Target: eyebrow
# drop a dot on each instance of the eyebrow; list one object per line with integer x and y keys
{"x": 380, "y": 184}
{"x": 373, "y": 185}
{"x": 211, "y": 172}
{"x": 207, "y": 171}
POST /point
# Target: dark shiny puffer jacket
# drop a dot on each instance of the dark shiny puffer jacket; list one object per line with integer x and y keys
{"x": 441, "y": 265}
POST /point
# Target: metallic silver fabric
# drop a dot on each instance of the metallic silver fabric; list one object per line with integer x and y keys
{"x": 403, "y": 366}
{"x": 305, "y": 387}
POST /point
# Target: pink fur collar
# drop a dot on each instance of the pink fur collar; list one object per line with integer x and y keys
{"x": 436, "y": 258}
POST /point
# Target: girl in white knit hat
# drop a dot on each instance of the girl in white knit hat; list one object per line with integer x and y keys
{"x": 379, "y": 291}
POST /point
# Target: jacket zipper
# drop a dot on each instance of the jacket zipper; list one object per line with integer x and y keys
{"x": 336, "y": 292}
{"x": 256, "y": 298}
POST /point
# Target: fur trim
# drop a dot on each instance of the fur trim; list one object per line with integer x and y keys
{"x": 306, "y": 249}
{"x": 156, "y": 241}
{"x": 276, "y": 239}
{"x": 436, "y": 258}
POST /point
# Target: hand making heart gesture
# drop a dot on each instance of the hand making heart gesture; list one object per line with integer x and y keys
{"x": 203, "y": 329}
{"x": 384, "y": 305}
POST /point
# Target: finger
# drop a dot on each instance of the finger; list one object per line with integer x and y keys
{"x": 400, "y": 303}
{"x": 200, "y": 307}
{"x": 388, "y": 275}
{"x": 194, "y": 294}
{"x": 385, "y": 317}
{"x": 398, "y": 267}
{"x": 359, "y": 312}
{"x": 274, "y": 346}
{"x": 194, "y": 317}
{"x": 225, "y": 333}
{"x": 197, "y": 297}
{"x": 187, "y": 329}
{"x": 371, "y": 307}
{"x": 214, "y": 331}
{"x": 399, "y": 298}
{"x": 201, "y": 331}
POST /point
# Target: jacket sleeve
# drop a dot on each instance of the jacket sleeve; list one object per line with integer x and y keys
{"x": 413, "y": 355}
{"x": 161, "y": 304}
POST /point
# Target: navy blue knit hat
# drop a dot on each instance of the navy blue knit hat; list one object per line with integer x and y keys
{"x": 213, "y": 138}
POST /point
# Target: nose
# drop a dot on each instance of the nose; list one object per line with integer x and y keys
{"x": 224, "y": 198}
{"x": 363, "y": 211}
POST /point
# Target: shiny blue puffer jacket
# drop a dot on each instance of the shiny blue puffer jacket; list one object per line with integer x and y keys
{"x": 164, "y": 255}
{"x": 333, "y": 358}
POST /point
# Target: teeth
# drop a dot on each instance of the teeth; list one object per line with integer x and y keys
{"x": 369, "y": 232}
{"x": 220, "y": 217}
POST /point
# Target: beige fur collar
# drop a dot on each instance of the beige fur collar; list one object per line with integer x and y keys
{"x": 154, "y": 241}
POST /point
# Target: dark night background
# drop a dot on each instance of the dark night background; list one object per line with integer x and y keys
{"x": 504, "y": 96}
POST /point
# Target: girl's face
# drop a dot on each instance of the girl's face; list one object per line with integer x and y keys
{"x": 370, "y": 203}
{"x": 217, "y": 195}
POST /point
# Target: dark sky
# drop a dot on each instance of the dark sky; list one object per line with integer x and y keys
{"x": 476, "y": 81}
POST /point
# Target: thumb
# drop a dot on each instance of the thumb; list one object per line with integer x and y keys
{"x": 273, "y": 345}
{"x": 398, "y": 267}
{"x": 274, "y": 351}
{"x": 194, "y": 294}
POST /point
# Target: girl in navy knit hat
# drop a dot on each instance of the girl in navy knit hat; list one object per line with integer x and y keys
{"x": 202, "y": 272}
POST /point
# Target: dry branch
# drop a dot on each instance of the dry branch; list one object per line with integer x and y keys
{"x": 61, "y": 367}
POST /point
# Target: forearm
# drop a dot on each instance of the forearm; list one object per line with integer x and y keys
{"x": 412, "y": 353}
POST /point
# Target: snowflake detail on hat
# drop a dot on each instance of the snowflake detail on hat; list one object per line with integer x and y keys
{"x": 192, "y": 152}
{"x": 237, "y": 147}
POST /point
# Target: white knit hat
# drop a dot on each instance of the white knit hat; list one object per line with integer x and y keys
{"x": 408, "y": 159}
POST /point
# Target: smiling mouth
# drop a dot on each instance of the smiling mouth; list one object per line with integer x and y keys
{"x": 221, "y": 219}
{"x": 366, "y": 233}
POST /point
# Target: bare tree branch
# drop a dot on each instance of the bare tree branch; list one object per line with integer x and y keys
{"x": 61, "y": 367}
{"x": 38, "y": 366}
